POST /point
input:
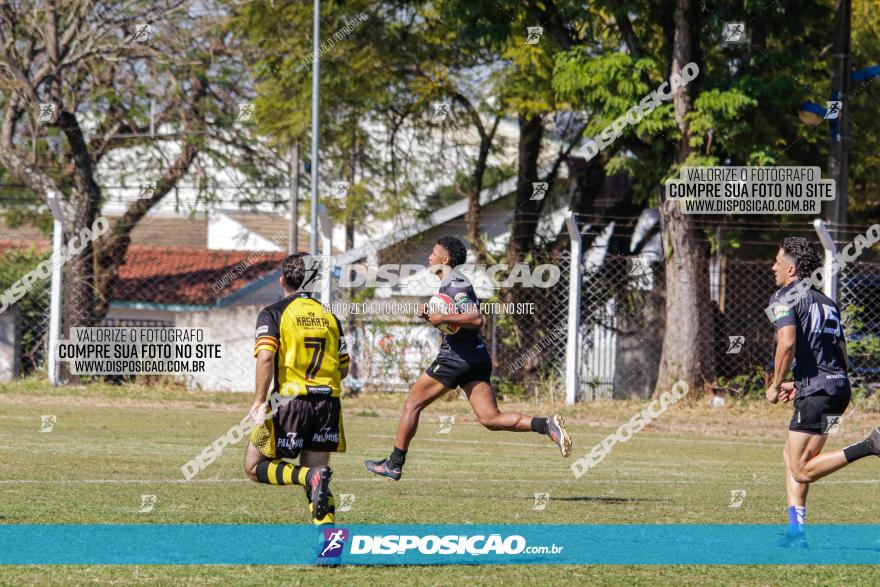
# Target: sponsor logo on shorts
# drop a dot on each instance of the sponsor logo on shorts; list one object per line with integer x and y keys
{"x": 326, "y": 437}
{"x": 835, "y": 376}
{"x": 291, "y": 442}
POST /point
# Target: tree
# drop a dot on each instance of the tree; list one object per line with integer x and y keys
{"x": 77, "y": 80}
{"x": 379, "y": 85}
{"x": 687, "y": 351}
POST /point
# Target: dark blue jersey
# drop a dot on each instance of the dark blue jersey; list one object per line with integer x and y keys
{"x": 819, "y": 364}
{"x": 466, "y": 344}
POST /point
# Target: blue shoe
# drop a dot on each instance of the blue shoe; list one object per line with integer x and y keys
{"x": 558, "y": 434}
{"x": 384, "y": 468}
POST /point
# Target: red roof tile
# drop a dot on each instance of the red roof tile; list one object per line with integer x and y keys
{"x": 176, "y": 275}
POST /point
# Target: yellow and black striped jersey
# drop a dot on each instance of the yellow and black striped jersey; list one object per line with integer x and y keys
{"x": 308, "y": 343}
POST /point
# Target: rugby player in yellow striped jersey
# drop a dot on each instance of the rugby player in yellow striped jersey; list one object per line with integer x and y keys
{"x": 300, "y": 351}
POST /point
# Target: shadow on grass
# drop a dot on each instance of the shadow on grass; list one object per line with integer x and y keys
{"x": 597, "y": 498}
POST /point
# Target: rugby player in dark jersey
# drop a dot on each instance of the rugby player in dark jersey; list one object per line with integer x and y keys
{"x": 462, "y": 361}
{"x": 810, "y": 341}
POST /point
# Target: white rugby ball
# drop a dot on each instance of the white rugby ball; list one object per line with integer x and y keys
{"x": 443, "y": 304}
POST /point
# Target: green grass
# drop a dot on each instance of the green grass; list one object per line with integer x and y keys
{"x": 111, "y": 444}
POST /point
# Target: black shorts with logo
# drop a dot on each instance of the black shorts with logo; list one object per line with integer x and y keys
{"x": 814, "y": 414}
{"x": 304, "y": 423}
{"x": 453, "y": 373}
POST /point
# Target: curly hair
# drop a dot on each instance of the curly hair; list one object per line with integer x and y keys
{"x": 803, "y": 253}
{"x": 455, "y": 248}
{"x": 294, "y": 270}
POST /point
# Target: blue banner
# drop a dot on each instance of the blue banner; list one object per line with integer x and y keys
{"x": 227, "y": 544}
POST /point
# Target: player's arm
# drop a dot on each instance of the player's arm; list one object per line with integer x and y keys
{"x": 265, "y": 347}
{"x": 265, "y": 373}
{"x": 467, "y": 312}
{"x": 342, "y": 350}
{"x": 470, "y": 319}
{"x": 785, "y": 341}
{"x": 843, "y": 352}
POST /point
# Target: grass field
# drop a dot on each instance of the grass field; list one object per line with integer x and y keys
{"x": 112, "y": 444}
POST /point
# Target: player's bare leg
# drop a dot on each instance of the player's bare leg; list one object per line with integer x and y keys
{"x": 799, "y": 449}
{"x": 424, "y": 392}
{"x": 483, "y": 402}
{"x": 252, "y": 458}
{"x": 482, "y": 399}
{"x": 805, "y": 458}
{"x": 796, "y": 493}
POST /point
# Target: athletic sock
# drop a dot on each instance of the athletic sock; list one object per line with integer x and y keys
{"x": 796, "y": 518}
{"x": 857, "y": 451}
{"x": 278, "y": 472}
{"x": 398, "y": 457}
{"x": 539, "y": 425}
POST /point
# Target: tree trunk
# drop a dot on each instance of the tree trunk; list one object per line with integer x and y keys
{"x": 687, "y": 341}
{"x": 475, "y": 187}
{"x": 111, "y": 250}
{"x": 522, "y": 237}
{"x": 526, "y": 212}
{"x": 352, "y": 163}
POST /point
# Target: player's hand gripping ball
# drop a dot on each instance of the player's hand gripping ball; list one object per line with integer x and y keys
{"x": 443, "y": 304}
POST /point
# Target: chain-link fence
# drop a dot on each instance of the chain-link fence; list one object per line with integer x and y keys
{"x": 859, "y": 301}
{"x": 622, "y": 321}
{"x": 622, "y": 326}
{"x": 527, "y": 335}
{"x": 26, "y": 320}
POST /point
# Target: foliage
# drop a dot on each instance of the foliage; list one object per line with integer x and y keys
{"x": 14, "y": 264}
{"x": 508, "y": 388}
{"x": 746, "y": 385}
{"x": 863, "y": 347}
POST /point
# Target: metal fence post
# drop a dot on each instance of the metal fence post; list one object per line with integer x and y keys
{"x": 327, "y": 248}
{"x": 54, "y": 201}
{"x": 829, "y": 278}
{"x": 574, "y": 311}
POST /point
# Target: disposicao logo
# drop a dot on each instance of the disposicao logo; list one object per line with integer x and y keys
{"x": 334, "y": 540}
{"x": 473, "y": 545}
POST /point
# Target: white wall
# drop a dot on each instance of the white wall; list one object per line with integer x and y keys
{"x": 224, "y": 233}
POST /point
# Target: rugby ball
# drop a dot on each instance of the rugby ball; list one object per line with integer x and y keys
{"x": 443, "y": 304}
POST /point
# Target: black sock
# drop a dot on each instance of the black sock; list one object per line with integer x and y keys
{"x": 398, "y": 457}
{"x": 539, "y": 425}
{"x": 857, "y": 451}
